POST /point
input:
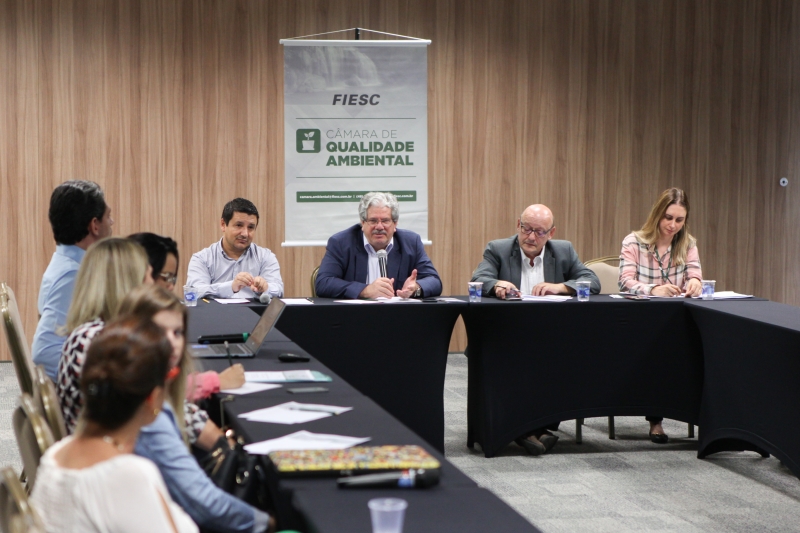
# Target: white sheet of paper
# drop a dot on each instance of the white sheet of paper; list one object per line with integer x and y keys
{"x": 356, "y": 301}
{"x": 727, "y": 295}
{"x": 398, "y": 300}
{"x": 232, "y": 301}
{"x": 548, "y": 298}
{"x": 319, "y": 407}
{"x": 305, "y": 440}
{"x": 297, "y": 301}
{"x": 279, "y": 415}
{"x": 445, "y": 299}
{"x": 279, "y": 377}
{"x": 251, "y": 387}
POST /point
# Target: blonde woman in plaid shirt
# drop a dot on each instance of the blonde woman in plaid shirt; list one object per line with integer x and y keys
{"x": 661, "y": 259}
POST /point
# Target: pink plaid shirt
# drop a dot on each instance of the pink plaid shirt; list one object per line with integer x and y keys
{"x": 640, "y": 271}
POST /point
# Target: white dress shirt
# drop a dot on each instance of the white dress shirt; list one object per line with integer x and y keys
{"x": 532, "y": 275}
{"x": 374, "y": 271}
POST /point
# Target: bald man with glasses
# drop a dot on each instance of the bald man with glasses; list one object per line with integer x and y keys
{"x": 531, "y": 262}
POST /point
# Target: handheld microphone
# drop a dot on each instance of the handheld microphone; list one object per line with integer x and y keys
{"x": 382, "y": 259}
{"x": 404, "y": 479}
{"x": 265, "y": 298}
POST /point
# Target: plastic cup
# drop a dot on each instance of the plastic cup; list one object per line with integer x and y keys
{"x": 190, "y": 295}
{"x": 583, "y": 290}
{"x": 387, "y": 514}
{"x": 708, "y": 289}
{"x": 475, "y": 288}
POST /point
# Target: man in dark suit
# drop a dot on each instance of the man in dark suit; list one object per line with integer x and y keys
{"x": 531, "y": 263}
{"x": 350, "y": 268}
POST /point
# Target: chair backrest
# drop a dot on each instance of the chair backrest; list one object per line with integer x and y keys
{"x": 314, "y": 282}
{"x": 17, "y": 342}
{"x": 46, "y": 400}
{"x": 33, "y": 436}
{"x": 16, "y": 513}
{"x": 607, "y": 272}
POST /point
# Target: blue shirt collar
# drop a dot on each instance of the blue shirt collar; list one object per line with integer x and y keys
{"x": 71, "y": 251}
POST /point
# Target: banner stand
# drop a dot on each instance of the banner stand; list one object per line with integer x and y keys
{"x": 355, "y": 120}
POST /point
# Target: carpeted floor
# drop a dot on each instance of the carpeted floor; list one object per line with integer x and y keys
{"x": 622, "y": 485}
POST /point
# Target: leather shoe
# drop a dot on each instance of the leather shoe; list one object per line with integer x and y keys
{"x": 549, "y": 440}
{"x": 659, "y": 438}
{"x": 532, "y": 445}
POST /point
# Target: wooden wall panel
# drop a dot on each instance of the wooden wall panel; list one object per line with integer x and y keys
{"x": 590, "y": 106}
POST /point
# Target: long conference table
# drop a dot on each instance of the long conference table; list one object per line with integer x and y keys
{"x": 316, "y": 504}
{"x": 724, "y": 365}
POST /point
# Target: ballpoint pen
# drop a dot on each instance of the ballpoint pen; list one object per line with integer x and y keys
{"x": 314, "y": 410}
{"x": 228, "y": 351}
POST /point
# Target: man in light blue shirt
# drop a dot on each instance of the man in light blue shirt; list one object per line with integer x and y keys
{"x": 234, "y": 267}
{"x": 79, "y": 217}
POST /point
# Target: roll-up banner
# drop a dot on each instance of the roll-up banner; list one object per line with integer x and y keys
{"x": 355, "y": 120}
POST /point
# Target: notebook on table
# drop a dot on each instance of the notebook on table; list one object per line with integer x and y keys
{"x": 254, "y": 341}
{"x": 350, "y": 461}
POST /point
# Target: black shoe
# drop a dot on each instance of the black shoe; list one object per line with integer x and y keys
{"x": 548, "y": 440}
{"x": 659, "y": 438}
{"x": 534, "y": 447}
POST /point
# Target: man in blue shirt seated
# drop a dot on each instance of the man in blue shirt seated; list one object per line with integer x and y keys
{"x": 234, "y": 267}
{"x": 79, "y": 217}
{"x": 350, "y": 268}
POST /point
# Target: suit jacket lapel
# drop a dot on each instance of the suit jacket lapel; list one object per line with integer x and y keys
{"x": 360, "y": 258}
{"x": 515, "y": 266}
{"x": 549, "y": 265}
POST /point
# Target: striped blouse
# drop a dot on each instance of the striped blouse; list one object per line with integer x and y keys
{"x": 640, "y": 270}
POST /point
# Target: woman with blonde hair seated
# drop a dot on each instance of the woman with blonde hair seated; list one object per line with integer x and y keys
{"x": 91, "y": 481}
{"x": 109, "y": 270}
{"x": 661, "y": 259}
{"x": 161, "y": 442}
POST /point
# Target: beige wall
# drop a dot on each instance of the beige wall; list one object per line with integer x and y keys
{"x": 592, "y": 107}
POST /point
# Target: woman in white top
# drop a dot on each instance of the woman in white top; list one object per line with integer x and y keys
{"x": 91, "y": 481}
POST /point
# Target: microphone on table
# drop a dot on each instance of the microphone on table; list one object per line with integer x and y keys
{"x": 413, "y": 478}
{"x": 382, "y": 259}
{"x": 265, "y": 298}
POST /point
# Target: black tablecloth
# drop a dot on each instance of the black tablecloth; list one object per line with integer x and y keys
{"x": 456, "y": 500}
{"x": 533, "y": 363}
{"x": 460, "y": 509}
{"x": 750, "y": 395}
{"x": 394, "y": 353}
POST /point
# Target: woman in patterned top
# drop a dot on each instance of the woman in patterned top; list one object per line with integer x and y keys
{"x": 661, "y": 259}
{"x": 109, "y": 271}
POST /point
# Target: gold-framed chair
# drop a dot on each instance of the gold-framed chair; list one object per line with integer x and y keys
{"x": 607, "y": 270}
{"x": 16, "y": 513}
{"x": 15, "y": 336}
{"x": 314, "y": 282}
{"x": 33, "y": 436}
{"x": 46, "y": 400}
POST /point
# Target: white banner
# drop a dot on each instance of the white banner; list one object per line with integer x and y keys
{"x": 355, "y": 120}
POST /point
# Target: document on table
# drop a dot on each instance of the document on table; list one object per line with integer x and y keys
{"x": 297, "y": 301}
{"x": 392, "y": 300}
{"x": 232, "y": 300}
{"x": 547, "y": 298}
{"x": 294, "y": 413}
{"x": 445, "y": 299}
{"x": 356, "y": 301}
{"x": 305, "y": 440}
{"x": 251, "y": 387}
{"x": 285, "y": 377}
{"x": 727, "y": 295}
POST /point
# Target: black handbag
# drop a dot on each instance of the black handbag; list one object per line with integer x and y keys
{"x": 236, "y": 472}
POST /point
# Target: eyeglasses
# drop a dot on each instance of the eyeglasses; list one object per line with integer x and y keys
{"x": 168, "y": 278}
{"x": 538, "y": 232}
{"x": 375, "y": 221}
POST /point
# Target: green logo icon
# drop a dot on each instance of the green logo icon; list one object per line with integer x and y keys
{"x": 308, "y": 141}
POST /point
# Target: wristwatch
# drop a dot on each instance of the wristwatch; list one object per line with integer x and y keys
{"x": 417, "y": 293}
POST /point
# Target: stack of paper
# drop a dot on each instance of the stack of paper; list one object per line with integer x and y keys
{"x": 305, "y": 440}
{"x": 293, "y": 413}
{"x": 297, "y": 301}
{"x": 290, "y": 376}
{"x": 249, "y": 388}
{"x": 728, "y": 295}
{"x": 548, "y": 298}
